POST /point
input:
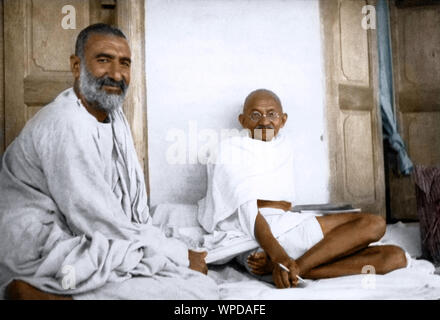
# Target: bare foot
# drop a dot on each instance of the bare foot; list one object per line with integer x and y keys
{"x": 197, "y": 261}
{"x": 259, "y": 263}
{"x": 20, "y": 290}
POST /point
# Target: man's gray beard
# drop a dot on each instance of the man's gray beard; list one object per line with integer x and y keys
{"x": 90, "y": 88}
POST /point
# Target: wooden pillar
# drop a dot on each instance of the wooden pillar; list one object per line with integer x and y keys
{"x": 130, "y": 17}
{"x": 2, "y": 91}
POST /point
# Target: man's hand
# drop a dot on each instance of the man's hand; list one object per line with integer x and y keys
{"x": 284, "y": 205}
{"x": 197, "y": 261}
{"x": 284, "y": 279}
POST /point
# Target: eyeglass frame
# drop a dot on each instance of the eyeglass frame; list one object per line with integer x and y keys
{"x": 264, "y": 115}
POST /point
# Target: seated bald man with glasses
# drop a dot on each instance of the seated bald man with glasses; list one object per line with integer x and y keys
{"x": 250, "y": 199}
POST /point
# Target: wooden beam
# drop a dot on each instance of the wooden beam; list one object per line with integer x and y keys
{"x": 2, "y": 85}
{"x": 130, "y": 17}
{"x": 14, "y": 46}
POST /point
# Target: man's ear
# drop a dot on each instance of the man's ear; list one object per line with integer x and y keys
{"x": 241, "y": 119}
{"x": 75, "y": 65}
{"x": 283, "y": 119}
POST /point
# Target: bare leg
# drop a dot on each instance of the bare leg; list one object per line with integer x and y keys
{"x": 344, "y": 234}
{"x": 383, "y": 258}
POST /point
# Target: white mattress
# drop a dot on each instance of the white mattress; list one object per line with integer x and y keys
{"x": 418, "y": 281}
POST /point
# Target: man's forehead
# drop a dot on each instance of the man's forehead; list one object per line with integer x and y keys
{"x": 262, "y": 101}
{"x": 99, "y": 41}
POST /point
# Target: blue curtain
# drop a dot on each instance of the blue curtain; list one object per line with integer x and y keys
{"x": 386, "y": 101}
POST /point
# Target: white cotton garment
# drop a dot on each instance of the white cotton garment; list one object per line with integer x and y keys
{"x": 244, "y": 170}
{"x": 73, "y": 204}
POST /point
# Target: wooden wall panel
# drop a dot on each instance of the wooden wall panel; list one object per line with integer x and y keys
{"x": 14, "y": 48}
{"x": 2, "y": 84}
{"x": 353, "y": 42}
{"x": 37, "y": 51}
{"x": 46, "y": 34}
{"x": 416, "y": 67}
{"x": 359, "y": 150}
{"x": 353, "y": 118}
{"x": 420, "y": 45}
{"x": 424, "y": 137}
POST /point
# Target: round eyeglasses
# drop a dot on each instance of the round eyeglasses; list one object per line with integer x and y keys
{"x": 257, "y": 116}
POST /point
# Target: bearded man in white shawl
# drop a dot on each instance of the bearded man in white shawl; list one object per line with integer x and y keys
{"x": 74, "y": 219}
{"x": 250, "y": 191}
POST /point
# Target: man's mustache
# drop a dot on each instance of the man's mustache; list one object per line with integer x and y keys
{"x": 264, "y": 127}
{"x": 107, "y": 81}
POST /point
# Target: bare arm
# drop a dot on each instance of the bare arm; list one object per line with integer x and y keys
{"x": 276, "y": 254}
{"x": 267, "y": 241}
{"x": 264, "y": 235}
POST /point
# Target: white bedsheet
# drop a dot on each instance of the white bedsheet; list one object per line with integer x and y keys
{"x": 418, "y": 281}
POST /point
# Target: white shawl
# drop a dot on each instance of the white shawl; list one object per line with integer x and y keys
{"x": 243, "y": 170}
{"x": 73, "y": 205}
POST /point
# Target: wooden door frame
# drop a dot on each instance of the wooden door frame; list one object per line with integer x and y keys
{"x": 350, "y": 98}
{"x": 130, "y": 17}
{"x": 2, "y": 85}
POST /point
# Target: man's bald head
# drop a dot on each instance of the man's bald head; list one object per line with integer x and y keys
{"x": 260, "y": 94}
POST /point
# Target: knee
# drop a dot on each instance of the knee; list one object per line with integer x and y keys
{"x": 374, "y": 225}
{"x": 393, "y": 258}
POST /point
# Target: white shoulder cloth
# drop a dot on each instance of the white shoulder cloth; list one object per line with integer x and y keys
{"x": 245, "y": 169}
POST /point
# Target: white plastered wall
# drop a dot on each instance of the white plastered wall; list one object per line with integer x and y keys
{"x": 204, "y": 57}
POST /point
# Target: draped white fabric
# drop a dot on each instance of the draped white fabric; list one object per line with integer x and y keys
{"x": 72, "y": 197}
{"x": 246, "y": 169}
{"x": 240, "y": 172}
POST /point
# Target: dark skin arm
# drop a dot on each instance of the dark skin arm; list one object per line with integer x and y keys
{"x": 273, "y": 249}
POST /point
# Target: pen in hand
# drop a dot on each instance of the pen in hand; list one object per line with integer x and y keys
{"x": 282, "y": 266}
